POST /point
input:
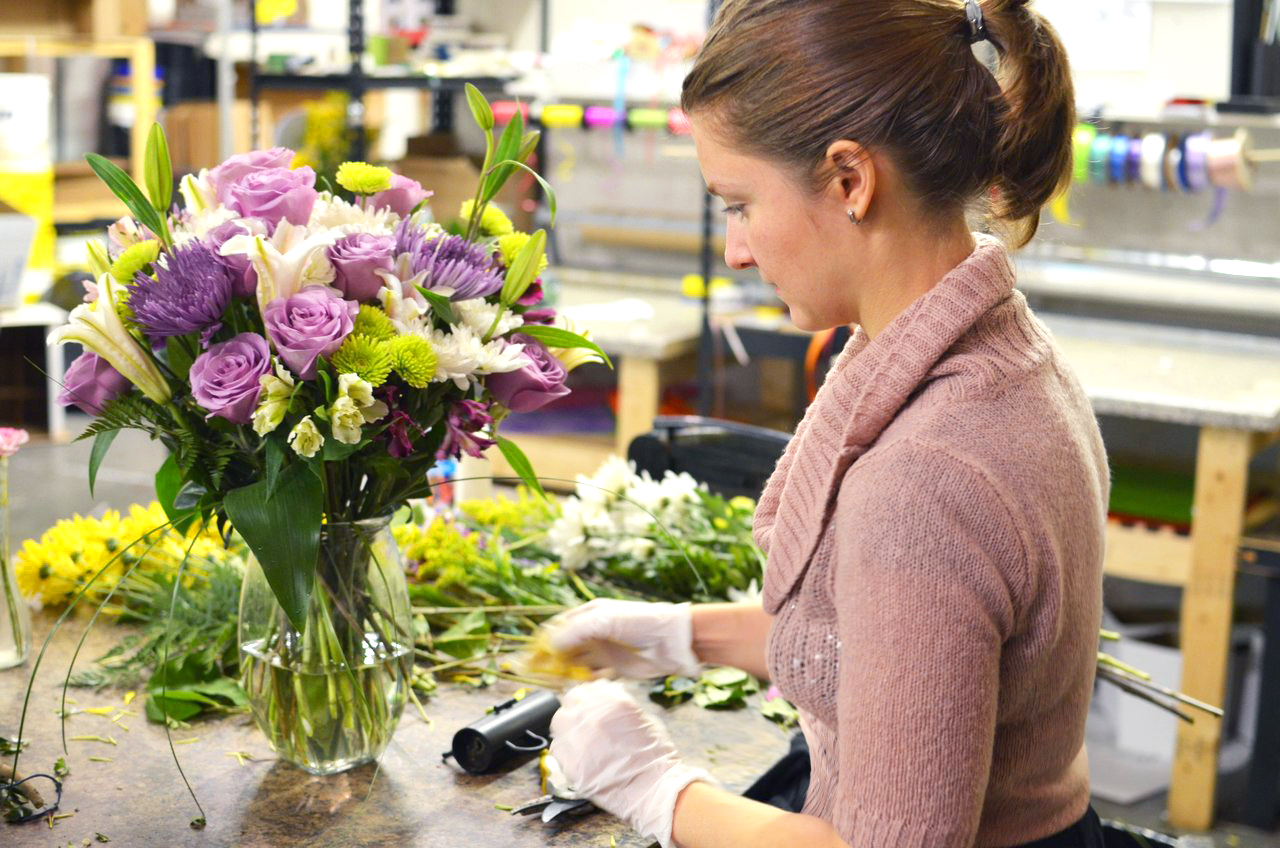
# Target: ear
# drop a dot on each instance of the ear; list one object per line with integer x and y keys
{"x": 853, "y": 175}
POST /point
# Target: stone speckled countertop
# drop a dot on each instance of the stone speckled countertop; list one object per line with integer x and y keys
{"x": 410, "y": 799}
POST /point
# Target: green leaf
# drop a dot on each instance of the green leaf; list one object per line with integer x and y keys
{"x": 546, "y": 186}
{"x": 223, "y": 689}
{"x": 159, "y": 170}
{"x": 130, "y": 195}
{"x": 724, "y": 677}
{"x": 171, "y": 705}
{"x": 179, "y": 356}
{"x": 440, "y": 305}
{"x": 508, "y": 149}
{"x": 188, "y": 497}
{"x": 336, "y": 451}
{"x": 274, "y": 461}
{"x": 480, "y": 108}
{"x": 101, "y": 444}
{"x": 524, "y": 268}
{"x": 780, "y": 711}
{"x": 519, "y": 463}
{"x": 556, "y": 337}
{"x": 466, "y": 637}
{"x": 283, "y": 531}
{"x": 529, "y": 145}
{"x": 169, "y": 481}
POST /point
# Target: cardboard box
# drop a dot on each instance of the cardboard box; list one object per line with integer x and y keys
{"x": 192, "y": 130}
{"x": 86, "y": 18}
{"x": 435, "y": 163}
{"x": 17, "y": 232}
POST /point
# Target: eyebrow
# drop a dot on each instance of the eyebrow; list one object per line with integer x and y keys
{"x": 711, "y": 189}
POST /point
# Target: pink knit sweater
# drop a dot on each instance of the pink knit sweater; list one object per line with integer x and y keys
{"x": 934, "y": 535}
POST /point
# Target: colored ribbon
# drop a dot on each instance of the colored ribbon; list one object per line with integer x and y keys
{"x": 596, "y": 117}
{"x": 1195, "y": 158}
{"x": 1082, "y": 141}
{"x": 1173, "y": 164}
{"x": 1151, "y": 167}
{"x": 1215, "y": 212}
{"x": 1229, "y": 161}
{"x": 1099, "y": 158}
{"x": 1119, "y": 158}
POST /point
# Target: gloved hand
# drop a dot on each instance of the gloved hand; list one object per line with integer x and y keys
{"x": 633, "y": 638}
{"x": 620, "y": 757}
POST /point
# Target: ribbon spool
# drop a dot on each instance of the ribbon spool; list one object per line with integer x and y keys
{"x": 647, "y": 119}
{"x": 1195, "y": 161}
{"x": 1119, "y": 163}
{"x": 1173, "y": 163}
{"x": 1230, "y": 161}
{"x": 561, "y": 115}
{"x": 1099, "y": 158}
{"x": 678, "y": 122}
{"x": 505, "y": 110}
{"x": 1151, "y": 164}
{"x": 1133, "y": 169}
{"x": 1081, "y": 143}
{"x": 596, "y": 117}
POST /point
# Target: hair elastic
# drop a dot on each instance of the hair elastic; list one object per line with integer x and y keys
{"x": 977, "y": 25}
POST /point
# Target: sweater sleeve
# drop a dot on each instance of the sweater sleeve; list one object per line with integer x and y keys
{"x": 927, "y": 561}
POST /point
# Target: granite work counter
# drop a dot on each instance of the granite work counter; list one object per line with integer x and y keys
{"x": 410, "y": 798}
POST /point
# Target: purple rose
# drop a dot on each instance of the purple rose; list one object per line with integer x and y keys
{"x": 244, "y": 280}
{"x": 91, "y": 383}
{"x": 225, "y": 378}
{"x": 535, "y": 385}
{"x": 355, "y": 258}
{"x": 276, "y": 194}
{"x": 309, "y": 325}
{"x": 403, "y": 196}
{"x": 236, "y": 168}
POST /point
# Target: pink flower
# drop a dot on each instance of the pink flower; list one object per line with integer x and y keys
{"x": 308, "y": 325}
{"x": 356, "y": 258}
{"x": 276, "y": 194}
{"x": 11, "y": 439}
{"x": 237, "y": 167}
{"x": 225, "y": 379}
{"x": 402, "y": 197}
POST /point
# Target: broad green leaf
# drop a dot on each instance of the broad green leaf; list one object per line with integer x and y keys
{"x": 188, "y": 497}
{"x": 529, "y": 145}
{"x": 130, "y": 195}
{"x": 283, "y": 531}
{"x": 274, "y": 456}
{"x": 724, "y": 677}
{"x": 480, "y": 108}
{"x": 179, "y": 356}
{"x": 546, "y": 187}
{"x": 177, "y": 709}
{"x": 440, "y": 305}
{"x": 335, "y": 451}
{"x": 101, "y": 444}
{"x": 159, "y": 170}
{"x": 225, "y": 689}
{"x": 520, "y": 464}
{"x": 169, "y": 481}
{"x": 556, "y": 337}
{"x": 524, "y": 268}
{"x": 465, "y": 637}
{"x": 508, "y": 149}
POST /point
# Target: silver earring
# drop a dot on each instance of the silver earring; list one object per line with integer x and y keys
{"x": 853, "y": 218}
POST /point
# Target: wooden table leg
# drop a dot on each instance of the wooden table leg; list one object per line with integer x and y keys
{"x": 638, "y": 390}
{"x": 1222, "y": 466}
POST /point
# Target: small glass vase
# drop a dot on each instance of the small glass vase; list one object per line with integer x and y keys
{"x": 329, "y": 698}
{"x": 15, "y": 617}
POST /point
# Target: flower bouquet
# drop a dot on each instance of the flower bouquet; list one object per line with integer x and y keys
{"x": 306, "y": 356}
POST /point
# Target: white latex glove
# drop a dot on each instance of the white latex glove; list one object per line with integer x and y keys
{"x": 633, "y": 638}
{"x": 620, "y": 757}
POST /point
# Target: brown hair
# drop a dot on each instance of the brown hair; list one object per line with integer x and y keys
{"x": 786, "y": 78}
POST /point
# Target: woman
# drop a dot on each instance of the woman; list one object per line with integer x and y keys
{"x": 934, "y": 530}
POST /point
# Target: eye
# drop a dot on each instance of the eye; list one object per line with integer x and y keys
{"x": 736, "y": 209}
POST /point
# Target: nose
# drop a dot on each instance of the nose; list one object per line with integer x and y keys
{"x": 737, "y": 255}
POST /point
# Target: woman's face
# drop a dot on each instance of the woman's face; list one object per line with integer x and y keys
{"x": 799, "y": 242}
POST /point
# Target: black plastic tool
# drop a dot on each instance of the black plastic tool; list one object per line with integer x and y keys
{"x": 513, "y": 728}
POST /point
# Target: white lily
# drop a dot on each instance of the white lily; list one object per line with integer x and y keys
{"x": 98, "y": 327}
{"x": 287, "y": 262}
{"x": 572, "y": 357}
{"x": 198, "y": 192}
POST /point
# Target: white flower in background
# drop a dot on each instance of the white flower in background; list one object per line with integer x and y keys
{"x": 461, "y": 355}
{"x": 637, "y": 547}
{"x": 680, "y": 488}
{"x": 197, "y": 192}
{"x": 478, "y": 316}
{"x": 334, "y": 213}
{"x": 273, "y": 402}
{"x": 752, "y": 593}
{"x": 98, "y": 327}
{"x": 581, "y": 533}
{"x": 612, "y": 479}
{"x": 346, "y": 419}
{"x": 305, "y": 439}
{"x": 287, "y": 262}
{"x": 361, "y": 392}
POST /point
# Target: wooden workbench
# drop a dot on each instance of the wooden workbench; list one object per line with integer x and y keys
{"x": 411, "y": 799}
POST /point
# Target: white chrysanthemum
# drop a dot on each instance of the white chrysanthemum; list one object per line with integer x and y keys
{"x": 478, "y": 316}
{"x": 461, "y": 355}
{"x": 637, "y": 548}
{"x": 305, "y": 439}
{"x": 612, "y": 479}
{"x": 334, "y": 213}
{"x": 680, "y": 488}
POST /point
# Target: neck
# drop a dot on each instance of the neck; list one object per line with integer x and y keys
{"x": 907, "y": 261}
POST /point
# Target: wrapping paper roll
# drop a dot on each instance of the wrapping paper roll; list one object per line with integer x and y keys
{"x": 1151, "y": 168}
{"x": 1082, "y": 141}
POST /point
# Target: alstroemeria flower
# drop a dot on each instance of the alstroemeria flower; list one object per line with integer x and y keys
{"x": 98, "y": 327}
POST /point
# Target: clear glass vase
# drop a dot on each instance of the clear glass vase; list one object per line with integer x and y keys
{"x": 329, "y": 697}
{"x": 15, "y": 617}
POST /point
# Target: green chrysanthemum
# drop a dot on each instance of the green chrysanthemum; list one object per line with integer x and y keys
{"x": 374, "y": 323}
{"x": 493, "y": 221}
{"x": 133, "y": 259}
{"x": 413, "y": 359}
{"x": 510, "y": 245}
{"x": 363, "y": 178}
{"x": 366, "y": 357}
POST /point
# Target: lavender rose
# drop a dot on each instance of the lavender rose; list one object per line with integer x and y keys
{"x": 230, "y": 172}
{"x": 276, "y": 194}
{"x": 535, "y": 385}
{"x": 355, "y": 258}
{"x": 225, "y": 378}
{"x": 402, "y": 197}
{"x": 244, "y": 280}
{"x": 91, "y": 383}
{"x": 309, "y": 325}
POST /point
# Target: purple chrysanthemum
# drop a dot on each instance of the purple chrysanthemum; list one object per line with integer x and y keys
{"x": 462, "y": 430}
{"x": 190, "y": 292}
{"x": 449, "y": 262}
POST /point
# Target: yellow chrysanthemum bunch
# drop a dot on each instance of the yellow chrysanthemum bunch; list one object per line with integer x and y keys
{"x": 524, "y": 514}
{"x": 55, "y": 567}
{"x": 440, "y": 553}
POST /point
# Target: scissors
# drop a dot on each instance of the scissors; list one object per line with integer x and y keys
{"x": 551, "y": 806}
